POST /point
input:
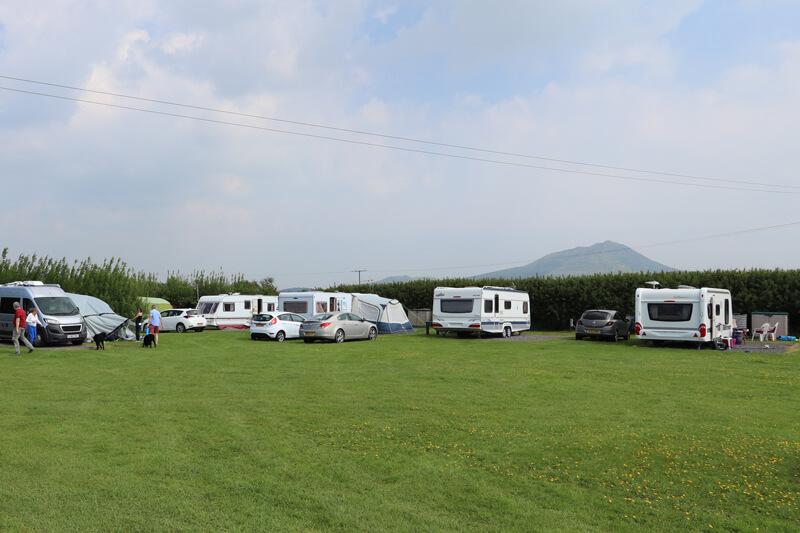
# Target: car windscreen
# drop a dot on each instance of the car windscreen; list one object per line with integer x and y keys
{"x": 670, "y": 312}
{"x": 596, "y": 315}
{"x": 262, "y": 318}
{"x": 456, "y": 306}
{"x": 56, "y": 306}
{"x": 322, "y": 316}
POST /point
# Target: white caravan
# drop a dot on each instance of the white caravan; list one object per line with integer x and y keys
{"x": 311, "y": 303}
{"x": 234, "y": 310}
{"x": 496, "y": 310}
{"x": 684, "y": 314}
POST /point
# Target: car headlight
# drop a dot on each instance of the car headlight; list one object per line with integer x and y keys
{"x": 51, "y": 321}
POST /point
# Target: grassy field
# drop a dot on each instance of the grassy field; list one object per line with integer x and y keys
{"x": 213, "y": 431}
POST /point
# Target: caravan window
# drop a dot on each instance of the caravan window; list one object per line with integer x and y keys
{"x": 209, "y": 308}
{"x": 670, "y": 312}
{"x": 322, "y": 307}
{"x": 296, "y": 307}
{"x": 456, "y": 306}
{"x": 247, "y": 304}
{"x": 229, "y": 307}
{"x": 727, "y": 311}
{"x": 507, "y": 304}
{"x": 717, "y": 310}
{"x": 525, "y": 307}
{"x": 487, "y": 306}
{"x": 270, "y": 307}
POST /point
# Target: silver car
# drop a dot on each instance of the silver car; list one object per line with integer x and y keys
{"x": 337, "y": 327}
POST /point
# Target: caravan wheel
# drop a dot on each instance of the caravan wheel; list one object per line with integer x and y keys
{"x": 507, "y": 332}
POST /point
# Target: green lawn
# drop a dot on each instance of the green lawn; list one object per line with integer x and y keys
{"x": 213, "y": 431}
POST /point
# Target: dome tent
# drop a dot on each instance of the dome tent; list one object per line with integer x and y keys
{"x": 99, "y": 317}
{"x": 387, "y": 314}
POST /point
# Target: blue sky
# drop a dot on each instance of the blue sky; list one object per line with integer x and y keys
{"x": 698, "y": 87}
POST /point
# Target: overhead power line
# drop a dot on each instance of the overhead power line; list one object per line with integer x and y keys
{"x": 402, "y": 138}
{"x": 398, "y": 148}
{"x": 575, "y": 254}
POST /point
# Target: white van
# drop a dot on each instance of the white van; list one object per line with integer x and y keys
{"x": 495, "y": 310}
{"x": 234, "y": 310}
{"x": 685, "y": 314}
{"x": 310, "y": 303}
{"x": 61, "y": 320}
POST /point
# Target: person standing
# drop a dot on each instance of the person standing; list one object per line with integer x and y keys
{"x": 31, "y": 323}
{"x": 137, "y": 320}
{"x": 155, "y": 322}
{"x": 18, "y": 329}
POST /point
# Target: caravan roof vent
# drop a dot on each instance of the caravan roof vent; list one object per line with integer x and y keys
{"x": 653, "y": 284}
{"x": 686, "y": 287}
{"x": 25, "y": 284}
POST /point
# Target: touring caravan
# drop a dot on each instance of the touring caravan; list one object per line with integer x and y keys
{"x": 494, "y": 310}
{"x": 311, "y": 303}
{"x": 234, "y": 310}
{"x": 685, "y": 314}
{"x": 59, "y": 317}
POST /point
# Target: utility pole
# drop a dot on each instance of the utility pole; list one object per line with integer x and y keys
{"x": 359, "y": 274}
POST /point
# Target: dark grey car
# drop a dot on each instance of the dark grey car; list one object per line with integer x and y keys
{"x": 602, "y": 324}
{"x": 337, "y": 327}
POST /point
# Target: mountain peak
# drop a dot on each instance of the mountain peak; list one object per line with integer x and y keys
{"x": 599, "y": 258}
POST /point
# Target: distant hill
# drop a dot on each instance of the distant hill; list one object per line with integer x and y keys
{"x": 395, "y": 279}
{"x": 601, "y": 258}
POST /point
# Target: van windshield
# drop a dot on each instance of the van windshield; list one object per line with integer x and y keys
{"x": 56, "y": 306}
{"x": 670, "y": 312}
{"x": 456, "y": 306}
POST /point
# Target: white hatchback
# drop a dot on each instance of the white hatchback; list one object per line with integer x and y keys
{"x": 181, "y": 320}
{"x": 278, "y": 325}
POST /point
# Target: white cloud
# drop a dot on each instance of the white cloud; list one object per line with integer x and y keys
{"x": 182, "y": 42}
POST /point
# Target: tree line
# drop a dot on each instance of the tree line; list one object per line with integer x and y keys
{"x": 121, "y": 286}
{"x": 556, "y": 300}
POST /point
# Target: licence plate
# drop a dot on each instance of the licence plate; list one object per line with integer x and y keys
{"x": 309, "y": 333}
{"x": 73, "y": 336}
{"x": 592, "y": 330}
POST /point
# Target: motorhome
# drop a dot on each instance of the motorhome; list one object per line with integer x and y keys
{"x": 492, "y": 310}
{"x": 234, "y": 310}
{"x": 59, "y": 317}
{"x": 685, "y": 314}
{"x": 311, "y": 303}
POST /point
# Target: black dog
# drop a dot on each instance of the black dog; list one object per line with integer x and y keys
{"x": 100, "y": 341}
{"x": 149, "y": 341}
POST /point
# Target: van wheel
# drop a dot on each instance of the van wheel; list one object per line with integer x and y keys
{"x": 339, "y": 337}
{"x": 77, "y": 343}
{"x": 280, "y": 336}
{"x": 180, "y": 328}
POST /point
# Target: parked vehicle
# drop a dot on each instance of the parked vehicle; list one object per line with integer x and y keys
{"x": 602, "y": 324}
{"x": 492, "y": 310}
{"x": 687, "y": 314}
{"x": 181, "y": 320}
{"x": 337, "y": 327}
{"x": 226, "y": 311}
{"x": 61, "y": 320}
{"x": 278, "y": 326}
{"x": 311, "y": 303}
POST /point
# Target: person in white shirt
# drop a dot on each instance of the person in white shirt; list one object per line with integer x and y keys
{"x": 31, "y": 323}
{"x": 155, "y": 322}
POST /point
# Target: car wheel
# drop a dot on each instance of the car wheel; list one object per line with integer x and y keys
{"x": 339, "y": 337}
{"x": 199, "y": 330}
{"x": 307, "y": 341}
{"x": 77, "y": 343}
{"x": 373, "y": 334}
{"x": 578, "y": 337}
{"x": 280, "y": 336}
{"x": 180, "y": 328}
{"x": 253, "y": 337}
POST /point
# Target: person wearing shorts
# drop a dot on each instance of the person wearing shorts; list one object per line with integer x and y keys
{"x": 155, "y": 322}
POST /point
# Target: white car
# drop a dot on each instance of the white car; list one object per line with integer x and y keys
{"x": 278, "y": 325}
{"x": 181, "y": 320}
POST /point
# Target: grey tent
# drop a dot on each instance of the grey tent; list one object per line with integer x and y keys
{"x": 99, "y": 316}
{"x": 387, "y": 314}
